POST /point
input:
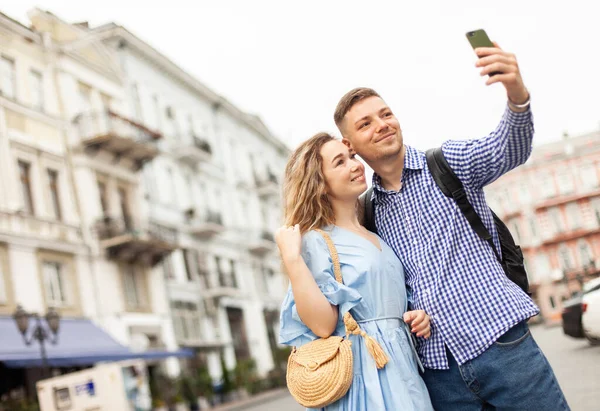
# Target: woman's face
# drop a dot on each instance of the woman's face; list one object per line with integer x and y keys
{"x": 344, "y": 174}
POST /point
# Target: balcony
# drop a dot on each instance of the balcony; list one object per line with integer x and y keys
{"x": 565, "y": 199}
{"x": 207, "y": 227}
{"x": 38, "y": 228}
{"x": 269, "y": 187}
{"x": 125, "y": 242}
{"x": 221, "y": 284}
{"x": 124, "y": 138}
{"x": 194, "y": 153}
{"x": 263, "y": 244}
{"x": 574, "y": 234}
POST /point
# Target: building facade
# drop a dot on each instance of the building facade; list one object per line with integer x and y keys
{"x": 552, "y": 207}
{"x": 135, "y": 196}
{"x": 216, "y": 183}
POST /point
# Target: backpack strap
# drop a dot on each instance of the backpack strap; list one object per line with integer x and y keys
{"x": 367, "y": 204}
{"x": 452, "y": 187}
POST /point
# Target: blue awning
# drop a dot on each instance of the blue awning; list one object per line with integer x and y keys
{"x": 80, "y": 342}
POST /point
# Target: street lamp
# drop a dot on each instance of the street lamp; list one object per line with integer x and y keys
{"x": 39, "y": 333}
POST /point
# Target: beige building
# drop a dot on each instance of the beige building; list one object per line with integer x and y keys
{"x": 134, "y": 197}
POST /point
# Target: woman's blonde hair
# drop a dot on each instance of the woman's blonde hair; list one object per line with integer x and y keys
{"x": 304, "y": 188}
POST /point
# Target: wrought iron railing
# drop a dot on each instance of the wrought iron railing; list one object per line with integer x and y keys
{"x": 94, "y": 124}
{"x": 202, "y": 144}
{"x": 267, "y": 235}
{"x": 110, "y": 227}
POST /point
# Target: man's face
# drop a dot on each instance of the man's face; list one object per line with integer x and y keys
{"x": 372, "y": 130}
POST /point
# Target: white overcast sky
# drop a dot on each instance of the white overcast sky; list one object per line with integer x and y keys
{"x": 290, "y": 62}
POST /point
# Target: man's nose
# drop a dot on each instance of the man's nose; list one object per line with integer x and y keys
{"x": 381, "y": 125}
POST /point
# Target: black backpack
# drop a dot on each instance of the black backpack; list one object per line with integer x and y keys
{"x": 511, "y": 258}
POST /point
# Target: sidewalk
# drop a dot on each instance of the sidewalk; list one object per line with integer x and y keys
{"x": 253, "y": 401}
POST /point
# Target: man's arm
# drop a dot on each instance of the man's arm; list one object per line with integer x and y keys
{"x": 478, "y": 162}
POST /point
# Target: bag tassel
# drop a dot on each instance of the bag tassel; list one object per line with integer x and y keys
{"x": 380, "y": 357}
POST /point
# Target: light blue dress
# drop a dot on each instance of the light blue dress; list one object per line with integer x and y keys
{"x": 375, "y": 292}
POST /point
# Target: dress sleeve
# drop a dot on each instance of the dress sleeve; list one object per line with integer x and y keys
{"x": 318, "y": 259}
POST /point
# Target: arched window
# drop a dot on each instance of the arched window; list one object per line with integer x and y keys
{"x": 564, "y": 255}
{"x": 585, "y": 253}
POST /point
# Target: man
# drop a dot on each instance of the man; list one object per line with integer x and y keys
{"x": 480, "y": 354}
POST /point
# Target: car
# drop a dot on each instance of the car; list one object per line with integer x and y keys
{"x": 571, "y": 316}
{"x": 590, "y": 308}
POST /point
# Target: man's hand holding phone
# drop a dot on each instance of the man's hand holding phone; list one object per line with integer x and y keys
{"x": 501, "y": 66}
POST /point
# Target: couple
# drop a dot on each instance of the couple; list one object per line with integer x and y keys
{"x": 428, "y": 274}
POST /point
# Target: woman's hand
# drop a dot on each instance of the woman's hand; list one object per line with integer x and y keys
{"x": 289, "y": 241}
{"x": 419, "y": 323}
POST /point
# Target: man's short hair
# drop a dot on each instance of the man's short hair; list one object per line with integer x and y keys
{"x": 349, "y": 100}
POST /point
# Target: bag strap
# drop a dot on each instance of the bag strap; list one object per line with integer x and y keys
{"x": 369, "y": 215}
{"x": 350, "y": 323}
{"x": 452, "y": 187}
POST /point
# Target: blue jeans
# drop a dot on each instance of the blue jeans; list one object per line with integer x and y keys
{"x": 513, "y": 374}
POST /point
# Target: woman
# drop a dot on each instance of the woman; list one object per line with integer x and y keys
{"x": 323, "y": 181}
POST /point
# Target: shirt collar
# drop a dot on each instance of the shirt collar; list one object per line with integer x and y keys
{"x": 413, "y": 160}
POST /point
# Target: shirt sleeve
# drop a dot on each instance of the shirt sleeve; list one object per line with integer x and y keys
{"x": 479, "y": 162}
{"x": 316, "y": 256}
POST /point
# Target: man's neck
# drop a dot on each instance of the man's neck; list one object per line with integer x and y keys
{"x": 390, "y": 170}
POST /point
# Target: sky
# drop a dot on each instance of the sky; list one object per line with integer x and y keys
{"x": 290, "y": 62}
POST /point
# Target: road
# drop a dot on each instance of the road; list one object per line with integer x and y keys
{"x": 575, "y": 362}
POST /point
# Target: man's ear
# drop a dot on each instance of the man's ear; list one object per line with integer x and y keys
{"x": 347, "y": 143}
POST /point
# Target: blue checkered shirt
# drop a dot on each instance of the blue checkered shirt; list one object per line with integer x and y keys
{"x": 451, "y": 273}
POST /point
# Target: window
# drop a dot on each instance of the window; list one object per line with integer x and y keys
{"x": 172, "y": 122}
{"x": 55, "y": 283}
{"x": 37, "y": 89}
{"x": 589, "y": 175}
{"x": 7, "y": 77}
{"x": 514, "y": 228}
{"x": 168, "y": 267}
{"x": 123, "y": 200}
{"x": 596, "y": 208}
{"x": 103, "y": 198}
{"x": 191, "y": 125}
{"x": 574, "y": 215}
{"x": 3, "y": 293}
{"x": 524, "y": 192}
{"x": 585, "y": 253}
{"x": 132, "y": 287}
{"x": 552, "y": 302}
{"x": 85, "y": 99}
{"x": 25, "y": 177}
{"x": 233, "y": 275}
{"x": 203, "y": 269}
{"x": 564, "y": 255}
{"x": 191, "y": 264}
{"x": 186, "y": 319}
{"x": 54, "y": 196}
{"x": 532, "y": 228}
{"x": 157, "y": 112}
{"x": 556, "y": 220}
{"x": 547, "y": 183}
{"x": 137, "y": 103}
{"x": 565, "y": 182}
{"x": 171, "y": 192}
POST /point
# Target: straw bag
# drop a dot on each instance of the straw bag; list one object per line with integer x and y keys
{"x": 320, "y": 373}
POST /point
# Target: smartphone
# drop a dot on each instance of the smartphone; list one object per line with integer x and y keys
{"x": 479, "y": 38}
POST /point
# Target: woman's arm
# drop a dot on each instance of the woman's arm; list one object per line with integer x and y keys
{"x": 313, "y": 308}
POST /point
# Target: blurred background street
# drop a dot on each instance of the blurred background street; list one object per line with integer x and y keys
{"x": 575, "y": 363}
